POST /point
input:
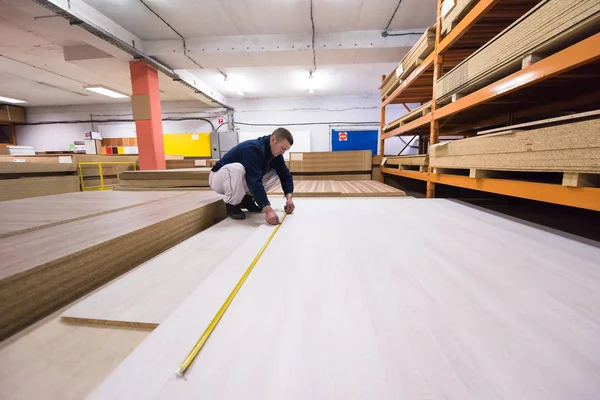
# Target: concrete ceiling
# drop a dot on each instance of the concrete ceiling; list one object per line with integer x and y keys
{"x": 286, "y": 81}
{"x": 262, "y": 45}
{"x": 206, "y": 18}
{"x": 33, "y": 66}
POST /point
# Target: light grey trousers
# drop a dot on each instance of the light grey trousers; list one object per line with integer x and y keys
{"x": 230, "y": 181}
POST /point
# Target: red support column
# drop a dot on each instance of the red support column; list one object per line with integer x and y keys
{"x": 145, "y": 104}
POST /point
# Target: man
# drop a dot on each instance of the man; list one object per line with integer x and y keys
{"x": 244, "y": 172}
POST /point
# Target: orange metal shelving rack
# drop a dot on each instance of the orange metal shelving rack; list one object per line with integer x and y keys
{"x": 445, "y": 57}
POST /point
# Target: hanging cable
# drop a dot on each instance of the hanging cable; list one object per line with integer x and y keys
{"x": 385, "y": 31}
{"x": 185, "y": 52}
{"x": 312, "y": 22}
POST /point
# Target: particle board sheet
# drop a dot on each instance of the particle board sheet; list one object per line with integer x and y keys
{"x": 24, "y": 187}
{"x": 457, "y": 9}
{"x": 550, "y": 26}
{"x": 26, "y": 168}
{"x": 422, "y": 110}
{"x": 146, "y": 296}
{"x": 496, "y": 310}
{"x": 166, "y": 178}
{"x": 179, "y": 164}
{"x": 57, "y": 361}
{"x": 415, "y": 160}
{"x": 45, "y": 269}
{"x": 23, "y": 215}
{"x": 570, "y": 147}
{"x": 332, "y": 177}
{"x": 365, "y": 188}
{"x": 419, "y": 52}
{"x": 331, "y": 161}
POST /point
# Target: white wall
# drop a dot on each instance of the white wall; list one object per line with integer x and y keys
{"x": 315, "y": 116}
{"x": 57, "y": 137}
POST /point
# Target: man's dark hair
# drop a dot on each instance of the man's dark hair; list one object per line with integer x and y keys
{"x": 282, "y": 133}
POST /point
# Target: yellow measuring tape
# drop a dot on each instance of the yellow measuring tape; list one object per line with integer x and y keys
{"x": 213, "y": 324}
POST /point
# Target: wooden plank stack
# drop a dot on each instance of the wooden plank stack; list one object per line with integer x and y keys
{"x": 413, "y": 162}
{"x": 30, "y": 176}
{"x": 172, "y": 178}
{"x": 409, "y": 63}
{"x": 555, "y": 147}
{"x": 453, "y": 11}
{"x": 180, "y": 164}
{"x": 47, "y": 268}
{"x": 548, "y": 27}
{"x": 331, "y": 165}
{"x": 367, "y": 188}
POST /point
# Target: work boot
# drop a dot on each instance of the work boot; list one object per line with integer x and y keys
{"x": 249, "y": 204}
{"x": 235, "y": 212}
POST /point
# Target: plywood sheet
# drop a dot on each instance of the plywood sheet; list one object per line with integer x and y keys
{"x": 551, "y": 25}
{"x": 166, "y": 178}
{"x": 21, "y": 188}
{"x": 410, "y": 62}
{"x": 417, "y": 160}
{"x": 331, "y": 161}
{"x": 496, "y": 310}
{"x": 456, "y": 13}
{"x": 19, "y": 216}
{"x": 148, "y": 294}
{"x": 365, "y": 188}
{"x": 47, "y": 268}
{"x": 24, "y": 168}
{"x": 332, "y": 177}
{"x": 57, "y": 361}
{"x": 573, "y": 147}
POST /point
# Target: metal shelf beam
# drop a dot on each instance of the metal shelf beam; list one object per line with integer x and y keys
{"x": 424, "y": 120}
{"x": 425, "y": 65}
{"x": 580, "y": 197}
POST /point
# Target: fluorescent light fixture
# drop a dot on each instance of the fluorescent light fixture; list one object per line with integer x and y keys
{"x": 311, "y": 83}
{"x": 9, "y": 100}
{"x": 106, "y": 91}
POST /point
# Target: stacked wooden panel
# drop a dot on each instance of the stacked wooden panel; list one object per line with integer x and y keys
{"x": 409, "y": 63}
{"x": 376, "y": 172}
{"x": 46, "y": 268}
{"x": 172, "y": 178}
{"x": 568, "y": 147}
{"x": 22, "y": 177}
{"x": 180, "y": 164}
{"x": 331, "y": 165}
{"x": 548, "y": 27}
{"x": 414, "y": 162}
{"x": 424, "y": 109}
{"x": 24, "y": 215}
{"x": 453, "y": 11}
{"x": 366, "y": 188}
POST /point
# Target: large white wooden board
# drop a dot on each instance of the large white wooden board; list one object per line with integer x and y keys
{"x": 356, "y": 299}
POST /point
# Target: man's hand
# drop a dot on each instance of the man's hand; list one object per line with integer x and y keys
{"x": 289, "y": 204}
{"x": 271, "y": 217}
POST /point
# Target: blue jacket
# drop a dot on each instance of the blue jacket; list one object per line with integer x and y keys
{"x": 256, "y": 157}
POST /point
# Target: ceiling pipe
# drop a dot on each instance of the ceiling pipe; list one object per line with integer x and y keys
{"x": 130, "y": 49}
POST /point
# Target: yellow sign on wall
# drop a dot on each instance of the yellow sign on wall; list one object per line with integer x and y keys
{"x": 187, "y": 144}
